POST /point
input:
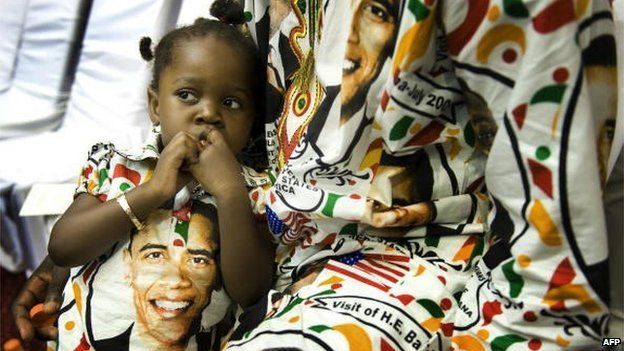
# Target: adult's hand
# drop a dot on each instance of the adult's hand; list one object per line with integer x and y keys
{"x": 45, "y": 285}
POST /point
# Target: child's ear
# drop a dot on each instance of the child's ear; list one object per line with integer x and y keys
{"x": 152, "y": 105}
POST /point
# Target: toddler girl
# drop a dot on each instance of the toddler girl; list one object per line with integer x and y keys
{"x": 151, "y": 251}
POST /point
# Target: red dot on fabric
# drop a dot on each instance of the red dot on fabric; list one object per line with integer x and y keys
{"x": 307, "y": 302}
{"x": 313, "y": 181}
{"x": 254, "y": 196}
{"x": 442, "y": 279}
{"x": 178, "y": 242}
{"x": 535, "y": 344}
{"x": 428, "y": 2}
{"x": 510, "y": 55}
{"x": 272, "y": 197}
{"x": 355, "y": 196}
{"x": 561, "y": 75}
{"x": 446, "y": 304}
{"x": 336, "y": 286}
{"x": 530, "y": 316}
{"x": 447, "y": 328}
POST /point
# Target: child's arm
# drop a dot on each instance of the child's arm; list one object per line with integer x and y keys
{"x": 89, "y": 227}
{"x": 246, "y": 253}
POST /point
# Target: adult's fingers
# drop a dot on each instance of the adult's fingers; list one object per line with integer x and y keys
{"x": 23, "y": 322}
{"x": 47, "y": 333}
{"x": 31, "y": 294}
{"x": 53, "y": 298}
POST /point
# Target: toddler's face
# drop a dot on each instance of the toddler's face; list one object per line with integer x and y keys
{"x": 208, "y": 85}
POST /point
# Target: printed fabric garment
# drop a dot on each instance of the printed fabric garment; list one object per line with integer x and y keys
{"x": 438, "y": 165}
{"x": 158, "y": 289}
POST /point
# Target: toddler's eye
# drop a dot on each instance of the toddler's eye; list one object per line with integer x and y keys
{"x": 186, "y": 96}
{"x": 232, "y": 103}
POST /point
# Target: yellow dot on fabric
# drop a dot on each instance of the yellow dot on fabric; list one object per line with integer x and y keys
{"x": 331, "y": 280}
{"x": 561, "y": 341}
{"x": 293, "y": 319}
{"x": 70, "y": 325}
{"x": 455, "y": 148}
{"x": 432, "y": 324}
{"x": 415, "y": 128}
{"x": 419, "y": 270}
{"x": 493, "y": 13}
{"x": 453, "y": 131}
{"x": 545, "y": 225}
{"x": 78, "y": 297}
{"x": 483, "y": 334}
{"x": 524, "y": 261}
{"x": 581, "y": 6}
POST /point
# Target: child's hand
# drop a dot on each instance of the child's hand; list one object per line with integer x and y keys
{"x": 171, "y": 172}
{"x": 217, "y": 170}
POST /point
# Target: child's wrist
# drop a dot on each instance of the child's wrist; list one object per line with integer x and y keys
{"x": 154, "y": 191}
{"x": 231, "y": 188}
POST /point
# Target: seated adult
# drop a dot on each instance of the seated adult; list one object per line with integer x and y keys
{"x": 427, "y": 191}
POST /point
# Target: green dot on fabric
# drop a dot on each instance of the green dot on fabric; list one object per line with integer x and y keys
{"x": 301, "y": 103}
{"x": 419, "y": 10}
{"x": 515, "y": 8}
{"x": 542, "y": 153}
{"x": 103, "y": 176}
{"x": 350, "y": 228}
{"x": 248, "y": 16}
{"x": 124, "y": 186}
{"x": 551, "y": 93}
{"x": 399, "y": 130}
